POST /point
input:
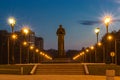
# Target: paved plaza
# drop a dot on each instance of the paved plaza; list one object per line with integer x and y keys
{"x": 54, "y": 77}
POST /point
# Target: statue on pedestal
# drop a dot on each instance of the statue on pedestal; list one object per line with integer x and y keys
{"x": 61, "y": 33}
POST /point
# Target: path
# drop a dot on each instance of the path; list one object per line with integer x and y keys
{"x": 53, "y": 77}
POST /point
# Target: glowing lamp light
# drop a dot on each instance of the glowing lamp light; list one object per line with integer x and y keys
{"x": 26, "y": 30}
{"x": 92, "y": 47}
{"x": 11, "y": 21}
{"x": 14, "y": 36}
{"x": 37, "y": 50}
{"x": 24, "y": 43}
{"x": 107, "y": 20}
{"x": 97, "y": 30}
{"x": 99, "y": 43}
{"x": 109, "y": 37}
{"x": 31, "y": 47}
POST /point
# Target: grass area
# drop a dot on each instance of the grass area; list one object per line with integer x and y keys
{"x": 15, "y": 69}
{"x": 101, "y": 69}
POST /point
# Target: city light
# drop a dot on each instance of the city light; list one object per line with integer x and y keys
{"x": 25, "y": 30}
{"x": 24, "y": 43}
{"x": 12, "y": 21}
{"x": 37, "y": 50}
{"x": 31, "y": 47}
{"x": 97, "y": 30}
{"x": 107, "y": 20}
{"x": 92, "y": 47}
{"x": 109, "y": 37}
{"x": 14, "y": 36}
{"x": 87, "y": 50}
{"x": 99, "y": 43}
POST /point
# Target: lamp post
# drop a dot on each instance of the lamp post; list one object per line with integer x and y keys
{"x": 24, "y": 43}
{"x": 37, "y": 50}
{"x": 86, "y": 57}
{"x": 103, "y": 48}
{"x": 107, "y": 20}
{"x": 8, "y": 45}
{"x": 92, "y": 48}
{"x": 12, "y": 23}
{"x": 14, "y": 37}
{"x": 31, "y": 48}
{"x": 97, "y": 30}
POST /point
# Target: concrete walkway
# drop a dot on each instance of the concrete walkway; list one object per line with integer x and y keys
{"x": 54, "y": 77}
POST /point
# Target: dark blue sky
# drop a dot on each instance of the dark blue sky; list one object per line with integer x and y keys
{"x": 44, "y": 17}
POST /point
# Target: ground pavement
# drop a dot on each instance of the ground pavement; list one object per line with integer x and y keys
{"x": 54, "y": 77}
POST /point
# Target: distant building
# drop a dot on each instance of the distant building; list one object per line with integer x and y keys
{"x": 39, "y": 43}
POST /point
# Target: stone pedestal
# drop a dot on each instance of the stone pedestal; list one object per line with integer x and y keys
{"x": 62, "y": 60}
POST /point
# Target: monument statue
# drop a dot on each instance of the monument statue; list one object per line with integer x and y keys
{"x": 61, "y": 33}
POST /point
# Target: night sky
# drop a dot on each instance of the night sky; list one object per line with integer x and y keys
{"x": 45, "y": 16}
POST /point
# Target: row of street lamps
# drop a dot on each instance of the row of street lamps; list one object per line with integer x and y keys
{"x": 25, "y": 30}
{"x": 107, "y": 21}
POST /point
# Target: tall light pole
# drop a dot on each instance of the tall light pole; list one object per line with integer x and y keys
{"x": 8, "y": 45}
{"x": 86, "y": 58}
{"x": 12, "y": 23}
{"x": 103, "y": 48}
{"x": 37, "y": 50}
{"x": 92, "y": 48}
{"x": 97, "y": 30}
{"x": 24, "y": 43}
{"x": 14, "y": 37}
{"x": 31, "y": 48}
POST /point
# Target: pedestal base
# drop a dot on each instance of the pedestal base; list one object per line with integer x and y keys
{"x": 59, "y": 60}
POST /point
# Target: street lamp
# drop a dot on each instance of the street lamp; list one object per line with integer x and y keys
{"x": 109, "y": 37}
{"x": 107, "y": 20}
{"x": 31, "y": 48}
{"x": 12, "y": 23}
{"x": 99, "y": 43}
{"x": 103, "y": 48}
{"x": 97, "y": 30}
{"x": 37, "y": 50}
{"x": 24, "y": 43}
{"x": 25, "y": 30}
{"x": 92, "y": 47}
{"x": 14, "y": 37}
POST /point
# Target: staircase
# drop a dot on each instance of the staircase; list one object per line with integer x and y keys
{"x": 60, "y": 69}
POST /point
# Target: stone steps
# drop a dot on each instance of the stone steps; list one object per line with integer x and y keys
{"x": 60, "y": 69}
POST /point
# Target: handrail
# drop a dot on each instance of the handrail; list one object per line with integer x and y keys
{"x": 86, "y": 69}
{"x": 33, "y": 69}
